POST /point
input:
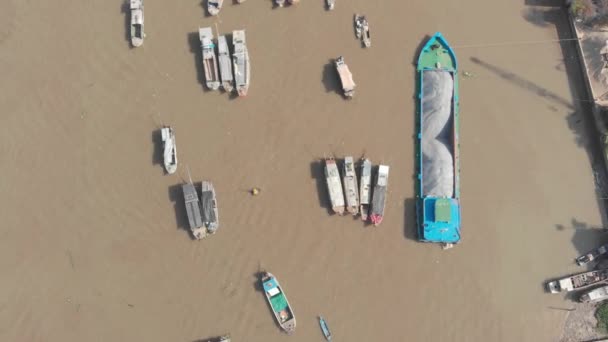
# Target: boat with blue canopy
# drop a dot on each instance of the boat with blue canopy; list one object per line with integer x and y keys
{"x": 278, "y": 303}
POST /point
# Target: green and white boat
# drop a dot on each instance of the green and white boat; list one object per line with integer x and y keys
{"x": 278, "y": 303}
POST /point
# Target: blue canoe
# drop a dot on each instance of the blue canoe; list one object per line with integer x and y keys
{"x": 325, "y": 328}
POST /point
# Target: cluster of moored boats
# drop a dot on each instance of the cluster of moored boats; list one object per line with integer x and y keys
{"x": 595, "y": 283}
{"x": 357, "y": 198}
{"x": 237, "y": 64}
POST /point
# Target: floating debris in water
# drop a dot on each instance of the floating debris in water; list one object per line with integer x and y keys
{"x": 467, "y": 74}
{"x": 255, "y": 191}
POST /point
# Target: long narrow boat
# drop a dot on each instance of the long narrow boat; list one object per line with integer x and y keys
{"x": 278, "y": 302}
{"x": 578, "y": 281}
{"x": 334, "y": 186}
{"x": 438, "y": 195}
{"x": 214, "y": 6}
{"x": 193, "y": 210}
{"x": 592, "y": 255}
{"x": 225, "y": 64}
{"x": 325, "y": 329}
{"x": 351, "y": 190}
{"x": 137, "y": 22}
{"x": 212, "y": 78}
{"x": 169, "y": 149}
{"x": 379, "y": 196}
{"x": 242, "y": 67}
{"x": 225, "y": 338}
{"x": 210, "y": 216}
{"x": 365, "y": 193}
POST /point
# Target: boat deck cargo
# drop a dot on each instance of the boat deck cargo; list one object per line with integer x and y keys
{"x": 212, "y": 79}
{"x": 193, "y": 210}
{"x": 578, "y": 281}
{"x": 351, "y": 190}
{"x": 334, "y": 186}
{"x": 438, "y": 204}
{"x": 379, "y": 195}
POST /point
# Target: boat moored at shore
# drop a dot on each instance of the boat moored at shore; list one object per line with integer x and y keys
{"x": 595, "y": 295}
{"x": 592, "y": 255}
{"x": 578, "y": 281}
{"x": 278, "y": 302}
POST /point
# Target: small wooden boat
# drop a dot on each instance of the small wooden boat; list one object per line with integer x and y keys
{"x": 578, "y": 281}
{"x": 365, "y": 35}
{"x": 346, "y": 78}
{"x": 325, "y": 329}
{"x": 293, "y": 2}
{"x": 137, "y": 22}
{"x": 331, "y": 4}
{"x": 595, "y": 295}
{"x": 592, "y": 255}
{"x": 379, "y": 195}
{"x": 242, "y": 67}
{"x": 225, "y": 64}
{"x": 212, "y": 78}
{"x": 169, "y": 149}
{"x": 214, "y": 6}
{"x": 210, "y": 215}
{"x": 240, "y": 1}
{"x": 351, "y": 190}
{"x": 365, "y": 193}
{"x": 193, "y": 210}
{"x": 358, "y": 26}
{"x": 278, "y": 302}
{"x": 334, "y": 186}
{"x": 280, "y": 3}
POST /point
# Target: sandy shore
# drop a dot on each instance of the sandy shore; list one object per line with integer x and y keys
{"x": 93, "y": 246}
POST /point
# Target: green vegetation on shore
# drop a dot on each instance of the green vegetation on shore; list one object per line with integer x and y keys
{"x": 602, "y": 316}
{"x": 590, "y": 12}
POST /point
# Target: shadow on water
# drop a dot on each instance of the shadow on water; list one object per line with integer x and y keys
{"x": 331, "y": 79}
{"x": 157, "y": 152}
{"x": 409, "y": 222}
{"x": 195, "y": 47}
{"x": 176, "y": 195}
{"x": 584, "y": 237}
{"x": 318, "y": 174}
{"x": 580, "y": 121}
{"x": 545, "y": 3}
{"x": 125, "y": 8}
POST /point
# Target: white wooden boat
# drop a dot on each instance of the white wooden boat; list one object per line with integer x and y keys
{"x": 351, "y": 190}
{"x": 169, "y": 149}
{"x": 225, "y": 62}
{"x": 137, "y": 22}
{"x": 334, "y": 186}
{"x": 280, "y": 3}
{"x": 346, "y": 77}
{"x": 365, "y": 193}
{"x": 578, "y": 281}
{"x": 331, "y": 4}
{"x": 212, "y": 78}
{"x": 242, "y": 67}
{"x": 214, "y": 6}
